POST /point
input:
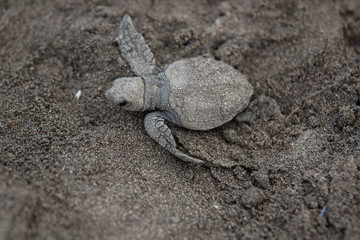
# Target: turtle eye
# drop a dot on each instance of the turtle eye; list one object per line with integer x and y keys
{"x": 123, "y": 104}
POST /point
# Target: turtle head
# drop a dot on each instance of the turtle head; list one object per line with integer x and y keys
{"x": 128, "y": 93}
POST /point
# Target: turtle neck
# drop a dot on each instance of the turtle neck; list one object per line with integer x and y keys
{"x": 156, "y": 92}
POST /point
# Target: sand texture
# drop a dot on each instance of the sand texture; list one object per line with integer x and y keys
{"x": 86, "y": 169}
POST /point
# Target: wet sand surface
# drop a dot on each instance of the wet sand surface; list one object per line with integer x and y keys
{"x": 85, "y": 169}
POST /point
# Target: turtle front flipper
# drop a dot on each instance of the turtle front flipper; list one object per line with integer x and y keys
{"x": 160, "y": 132}
{"x": 134, "y": 49}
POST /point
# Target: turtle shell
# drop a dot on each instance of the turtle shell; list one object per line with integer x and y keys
{"x": 206, "y": 93}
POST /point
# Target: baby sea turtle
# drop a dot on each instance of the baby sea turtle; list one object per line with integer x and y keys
{"x": 196, "y": 93}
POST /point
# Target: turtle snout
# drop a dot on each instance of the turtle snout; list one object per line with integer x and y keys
{"x": 108, "y": 93}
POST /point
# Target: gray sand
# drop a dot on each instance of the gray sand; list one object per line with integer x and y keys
{"x": 85, "y": 169}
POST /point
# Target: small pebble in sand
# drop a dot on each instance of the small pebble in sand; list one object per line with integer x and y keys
{"x": 78, "y": 94}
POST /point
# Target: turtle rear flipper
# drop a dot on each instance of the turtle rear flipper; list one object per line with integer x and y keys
{"x": 135, "y": 50}
{"x": 263, "y": 107}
